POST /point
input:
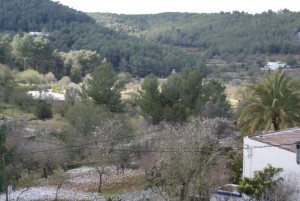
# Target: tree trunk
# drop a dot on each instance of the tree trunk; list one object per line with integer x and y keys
{"x": 123, "y": 172}
{"x": 100, "y": 182}
{"x": 22, "y": 193}
{"x": 100, "y": 179}
{"x": 6, "y": 193}
{"x": 45, "y": 175}
{"x": 275, "y": 123}
{"x": 56, "y": 194}
{"x": 184, "y": 192}
{"x": 5, "y": 182}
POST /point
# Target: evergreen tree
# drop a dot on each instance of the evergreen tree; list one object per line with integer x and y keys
{"x": 105, "y": 88}
{"x": 43, "y": 110}
{"x": 178, "y": 98}
{"x": 212, "y": 102}
{"x": 179, "y": 94}
{"x": 150, "y": 99}
{"x": 6, "y": 157}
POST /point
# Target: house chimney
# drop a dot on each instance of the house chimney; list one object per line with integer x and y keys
{"x": 298, "y": 152}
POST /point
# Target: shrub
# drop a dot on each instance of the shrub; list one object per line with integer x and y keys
{"x": 56, "y": 88}
{"x": 43, "y": 110}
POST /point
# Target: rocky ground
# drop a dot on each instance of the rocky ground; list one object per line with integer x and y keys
{"x": 50, "y": 193}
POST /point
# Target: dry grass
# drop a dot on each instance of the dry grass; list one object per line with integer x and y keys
{"x": 128, "y": 184}
{"x": 55, "y": 124}
{"x": 16, "y": 112}
{"x": 131, "y": 89}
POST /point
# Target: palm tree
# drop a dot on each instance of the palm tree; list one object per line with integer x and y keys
{"x": 274, "y": 103}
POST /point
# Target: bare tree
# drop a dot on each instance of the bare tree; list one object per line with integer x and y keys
{"x": 287, "y": 190}
{"x": 49, "y": 77}
{"x": 43, "y": 153}
{"x": 188, "y": 156}
{"x": 27, "y": 189}
{"x": 105, "y": 133}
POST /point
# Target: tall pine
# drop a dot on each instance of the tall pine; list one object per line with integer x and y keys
{"x": 104, "y": 88}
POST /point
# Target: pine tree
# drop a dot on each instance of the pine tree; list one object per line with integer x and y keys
{"x": 104, "y": 88}
{"x": 43, "y": 110}
{"x": 150, "y": 99}
{"x": 6, "y": 157}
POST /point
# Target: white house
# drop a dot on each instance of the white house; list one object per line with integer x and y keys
{"x": 38, "y": 34}
{"x": 46, "y": 95}
{"x": 275, "y": 65}
{"x": 277, "y": 149}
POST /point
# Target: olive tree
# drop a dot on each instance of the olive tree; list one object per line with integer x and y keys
{"x": 101, "y": 132}
{"x": 187, "y": 161}
{"x": 30, "y": 76}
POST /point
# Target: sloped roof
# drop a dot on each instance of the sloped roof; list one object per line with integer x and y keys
{"x": 284, "y": 139}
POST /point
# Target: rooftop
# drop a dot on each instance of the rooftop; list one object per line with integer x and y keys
{"x": 284, "y": 139}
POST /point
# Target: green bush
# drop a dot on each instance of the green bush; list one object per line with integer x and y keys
{"x": 20, "y": 98}
{"x": 56, "y": 88}
{"x": 264, "y": 183}
{"x": 43, "y": 110}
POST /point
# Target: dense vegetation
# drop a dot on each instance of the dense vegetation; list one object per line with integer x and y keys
{"x": 67, "y": 30}
{"x": 179, "y": 131}
{"x": 183, "y": 95}
{"x": 38, "y": 15}
{"x": 274, "y": 103}
{"x": 217, "y": 33}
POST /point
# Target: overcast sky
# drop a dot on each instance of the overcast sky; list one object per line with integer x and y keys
{"x": 195, "y": 6}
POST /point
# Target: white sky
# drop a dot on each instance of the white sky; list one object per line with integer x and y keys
{"x": 193, "y": 6}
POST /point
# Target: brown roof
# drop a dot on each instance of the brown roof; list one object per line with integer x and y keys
{"x": 284, "y": 139}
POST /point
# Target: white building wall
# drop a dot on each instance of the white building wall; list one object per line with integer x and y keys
{"x": 274, "y": 65}
{"x": 255, "y": 159}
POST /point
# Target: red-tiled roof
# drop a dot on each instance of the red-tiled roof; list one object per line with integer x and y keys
{"x": 284, "y": 139}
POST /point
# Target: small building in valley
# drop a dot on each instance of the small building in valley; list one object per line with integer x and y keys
{"x": 38, "y": 34}
{"x": 275, "y": 65}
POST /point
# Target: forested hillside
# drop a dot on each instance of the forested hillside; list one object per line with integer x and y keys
{"x": 71, "y": 30}
{"x": 216, "y": 33}
{"x": 143, "y": 44}
{"x": 36, "y": 15}
{"x": 77, "y": 123}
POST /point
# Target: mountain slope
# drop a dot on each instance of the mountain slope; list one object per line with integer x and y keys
{"x": 69, "y": 29}
{"x": 217, "y": 33}
{"x": 35, "y": 15}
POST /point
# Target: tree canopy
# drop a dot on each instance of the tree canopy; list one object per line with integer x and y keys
{"x": 274, "y": 104}
{"x": 263, "y": 185}
{"x": 41, "y": 14}
{"x": 104, "y": 88}
{"x": 186, "y": 169}
{"x": 214, "y": 33}
{"x": 6, "y": 156}
{"x": 182, "y": 95}
{"x": 150, "y": 98}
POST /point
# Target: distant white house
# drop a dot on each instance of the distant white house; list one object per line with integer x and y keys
{"x": 38, "y": 34}
{"x": 46, "y": 95}
{"x": 275, "y": 65}
{"x": 277, "y": 149}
